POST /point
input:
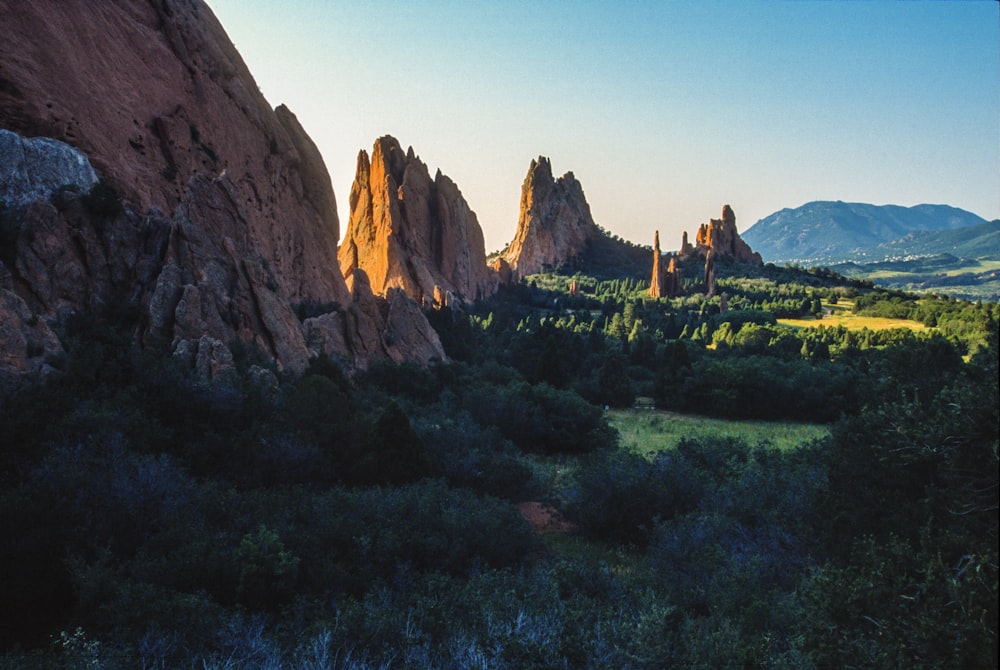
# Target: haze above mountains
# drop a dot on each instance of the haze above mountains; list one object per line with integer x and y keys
{"x": 663, "y": 110}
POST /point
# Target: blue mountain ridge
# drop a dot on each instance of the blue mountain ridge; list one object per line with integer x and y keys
{"x": 826, "y": 231}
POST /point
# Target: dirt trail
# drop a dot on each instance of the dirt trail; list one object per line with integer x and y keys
{"x": 545, "y": 519}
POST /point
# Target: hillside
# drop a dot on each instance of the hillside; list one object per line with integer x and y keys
{"x": 826, "y": 232}
{"x": 975, "y": 241}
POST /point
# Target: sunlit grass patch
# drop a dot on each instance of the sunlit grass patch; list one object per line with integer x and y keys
{"x": 648, "y": 432}
{"x": 841, "y": 315}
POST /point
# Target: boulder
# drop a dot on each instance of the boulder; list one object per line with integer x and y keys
{"x": 34, "y": 169}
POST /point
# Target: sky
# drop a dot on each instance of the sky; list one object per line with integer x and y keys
{"x": 664, "y": 110}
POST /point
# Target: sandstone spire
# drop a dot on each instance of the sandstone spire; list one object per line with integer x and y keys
{"x": 710, "y": 273}
{"x": 412, "y": 232}
{"x": 720, "y": 235}
{"x": 674, "y": 278}
{"x": 656, "y": 288}
{"x": 666, "y": 281}
{"x": 554, "y": 224}
{"x": 686, "y": 247}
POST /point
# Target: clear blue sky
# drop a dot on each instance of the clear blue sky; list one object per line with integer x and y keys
{"x": 665, "y": 111}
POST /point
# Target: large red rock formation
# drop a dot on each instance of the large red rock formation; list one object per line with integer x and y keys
{"x": 229, "y": 218}
{"x": 411, "y": 232}
{"x": 720, "y": 236}
{"x": 554, "y": 224}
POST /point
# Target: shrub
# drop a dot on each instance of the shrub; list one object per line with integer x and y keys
{"x": 267, "y": 570}
{"x": 619, "y": 496}
{"x": 103, "y": 200}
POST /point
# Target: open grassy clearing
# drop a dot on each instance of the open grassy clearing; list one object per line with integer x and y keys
{"x": 841, "y": 314}
{"x": 650, "y": 431}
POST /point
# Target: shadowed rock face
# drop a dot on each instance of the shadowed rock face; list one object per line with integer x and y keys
{"x": 554, "y": 224}
{"x": 226, "y": 218}
{"x": 154, "y": 93}
{"x": 411, "y": 232}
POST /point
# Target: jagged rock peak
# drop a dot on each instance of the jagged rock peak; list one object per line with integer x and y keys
{"x": 554, "y": 224}
{"x": 721, "y": 237}
{"x": 411, "y": 232}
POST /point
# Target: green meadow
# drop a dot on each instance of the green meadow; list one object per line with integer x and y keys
{"x": 648, "y": 432}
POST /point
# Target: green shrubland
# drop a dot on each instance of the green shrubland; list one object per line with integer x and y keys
{"x": 154, "y": 519}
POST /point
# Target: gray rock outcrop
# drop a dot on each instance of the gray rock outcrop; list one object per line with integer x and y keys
{"x": 34, "y": 169}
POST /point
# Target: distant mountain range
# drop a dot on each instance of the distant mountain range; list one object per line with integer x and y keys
{"x": 974, "y": 241}
{"x": 825, "y": 232}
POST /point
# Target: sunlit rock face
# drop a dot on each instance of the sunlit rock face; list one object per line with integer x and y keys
{"x": 554, "y": 224}
{"x": 666, "y": 280}
{"x": 720, "y": 236}
{"x": 215, "y": 215}
{"x": 657, "y": 285}
{"x": 412, "y": 232}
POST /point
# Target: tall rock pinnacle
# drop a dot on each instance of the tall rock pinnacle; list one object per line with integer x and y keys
{"x": 411, "y": 232}
{"x": 666, "y": 281}
{"x": 656, "y": 289}
{"x": 554, "y": 224}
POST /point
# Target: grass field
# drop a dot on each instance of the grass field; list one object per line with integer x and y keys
{"x": 650, "y": 431}
{"x": 841, "y": 315}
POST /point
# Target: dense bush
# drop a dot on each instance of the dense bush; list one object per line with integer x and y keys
{"x": 155, "y": 519}
{"x": 619, "y": 497}
{"x": 103, "y": 199}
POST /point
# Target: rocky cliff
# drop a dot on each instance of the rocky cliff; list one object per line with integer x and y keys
{"x": 214, "y": 213}
{"x": 412, "y": 232}
{"x": 554, "y": 224}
